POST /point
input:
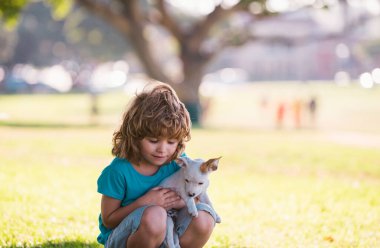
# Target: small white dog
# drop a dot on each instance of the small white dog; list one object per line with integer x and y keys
{"x": 189, "y": 182}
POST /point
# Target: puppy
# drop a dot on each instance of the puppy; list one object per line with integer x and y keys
{"x": 190, "y": 182}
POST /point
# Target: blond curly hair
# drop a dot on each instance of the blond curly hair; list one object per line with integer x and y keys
{"x": 155, "y": 112}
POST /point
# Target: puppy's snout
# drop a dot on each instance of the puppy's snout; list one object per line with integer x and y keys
{"x": 191, "y": 194}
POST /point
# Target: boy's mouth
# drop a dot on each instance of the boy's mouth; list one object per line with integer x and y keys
{"x": 159, "y": 157}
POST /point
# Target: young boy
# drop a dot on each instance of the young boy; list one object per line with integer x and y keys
{"x": 153, "y": 133}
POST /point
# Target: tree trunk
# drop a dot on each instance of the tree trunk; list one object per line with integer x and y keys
{"x": 188, "y": 89}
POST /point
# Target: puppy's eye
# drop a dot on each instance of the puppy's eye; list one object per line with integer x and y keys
{"x": 186, "y": 180}
{"x": 200, "y": 183}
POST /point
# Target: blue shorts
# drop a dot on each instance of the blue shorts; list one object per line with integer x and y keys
{"x": 119, "y": 236}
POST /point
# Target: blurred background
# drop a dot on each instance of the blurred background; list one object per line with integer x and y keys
{"x": 202, "y": 48}
{"x": 199, "y": 47}
{"x": 296, "y": 83}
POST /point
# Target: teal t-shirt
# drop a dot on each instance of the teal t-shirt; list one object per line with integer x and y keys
{"x": 121, "y": 181}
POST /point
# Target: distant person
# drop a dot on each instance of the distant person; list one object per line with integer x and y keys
{"x": 280, "y": 114}
{"x": 133, "y": 209}
{"x": 312, "y": 107}
{"x": 263, "y": 107}
{"x": 297, "y": 112}
{"x": 94, "y": 97}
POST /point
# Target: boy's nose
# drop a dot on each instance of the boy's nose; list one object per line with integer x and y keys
{"x": 160, "y": 147}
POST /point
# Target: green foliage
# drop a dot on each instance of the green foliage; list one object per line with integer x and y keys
{"x": 60, "y": 8}
{"x": 10, "y": 11}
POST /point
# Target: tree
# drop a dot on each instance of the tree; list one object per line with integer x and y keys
{"x": 132, "y": 18}
{"x": 192, "y": 35}
{"x": 197, "y": 38}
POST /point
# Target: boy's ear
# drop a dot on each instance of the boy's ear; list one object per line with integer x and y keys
{"x": 181, "y": 162}
{"x": 210, "y": 165}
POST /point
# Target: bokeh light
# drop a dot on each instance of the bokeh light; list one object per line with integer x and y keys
{"x": 376, "y": 75}
{"x": 2, "y": 74}
{"x": 342, "y": 78}
{"x": 365, "y": 80}
{"x": 342, "y": 51}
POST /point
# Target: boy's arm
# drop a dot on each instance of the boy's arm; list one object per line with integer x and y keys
{"x": 113, "y": 213}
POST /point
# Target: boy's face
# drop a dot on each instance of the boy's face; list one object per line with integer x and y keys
{"x": 157, "y": 151}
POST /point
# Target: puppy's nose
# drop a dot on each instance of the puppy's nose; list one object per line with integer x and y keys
{"x": 191, "y": 194}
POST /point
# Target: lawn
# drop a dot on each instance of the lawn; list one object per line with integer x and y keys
{"x": 317, "y": 186}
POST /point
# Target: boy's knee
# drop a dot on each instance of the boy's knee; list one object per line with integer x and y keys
{"x": 154, "y": 220}
{"x": 204, "y": 223}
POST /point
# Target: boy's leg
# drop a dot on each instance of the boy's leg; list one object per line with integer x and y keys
{"x": 146, "y": 224}
{"x": 195, "y": 232}
{"x": 198, "y": 232}
{"x": 152, "y": 229}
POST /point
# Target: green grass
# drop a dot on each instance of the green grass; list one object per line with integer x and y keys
{"x": 274, "y": 188}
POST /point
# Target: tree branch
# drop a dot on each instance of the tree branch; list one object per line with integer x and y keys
{"x": 115, "y": 19}
{"x": 200, "y": 30}
{"x": 167, "y": 21}
{"x": 130, "y": 22}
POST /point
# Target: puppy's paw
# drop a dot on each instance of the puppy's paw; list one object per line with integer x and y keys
{"x": 193, "y": 213}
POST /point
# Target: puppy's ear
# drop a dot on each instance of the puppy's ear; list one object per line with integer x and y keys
{"x": 181, "y": 161}
{"x": 210, "y": 165}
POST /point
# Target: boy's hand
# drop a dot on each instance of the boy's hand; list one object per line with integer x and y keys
{"x": 175, "y": 202}
{"x": 178, "y": 204}
{"x": 163, "y": 197}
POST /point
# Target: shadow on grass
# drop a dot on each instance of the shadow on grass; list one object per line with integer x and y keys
{"x": 68, "y": 244}
{"x": 48, "y": 125}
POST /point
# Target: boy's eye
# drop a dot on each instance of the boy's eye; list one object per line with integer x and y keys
{"x": 171, "y": 142}
{"x": 153, "y": 140}
{"x": 186, "y": 180}
{"x": 200, "y": 183}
